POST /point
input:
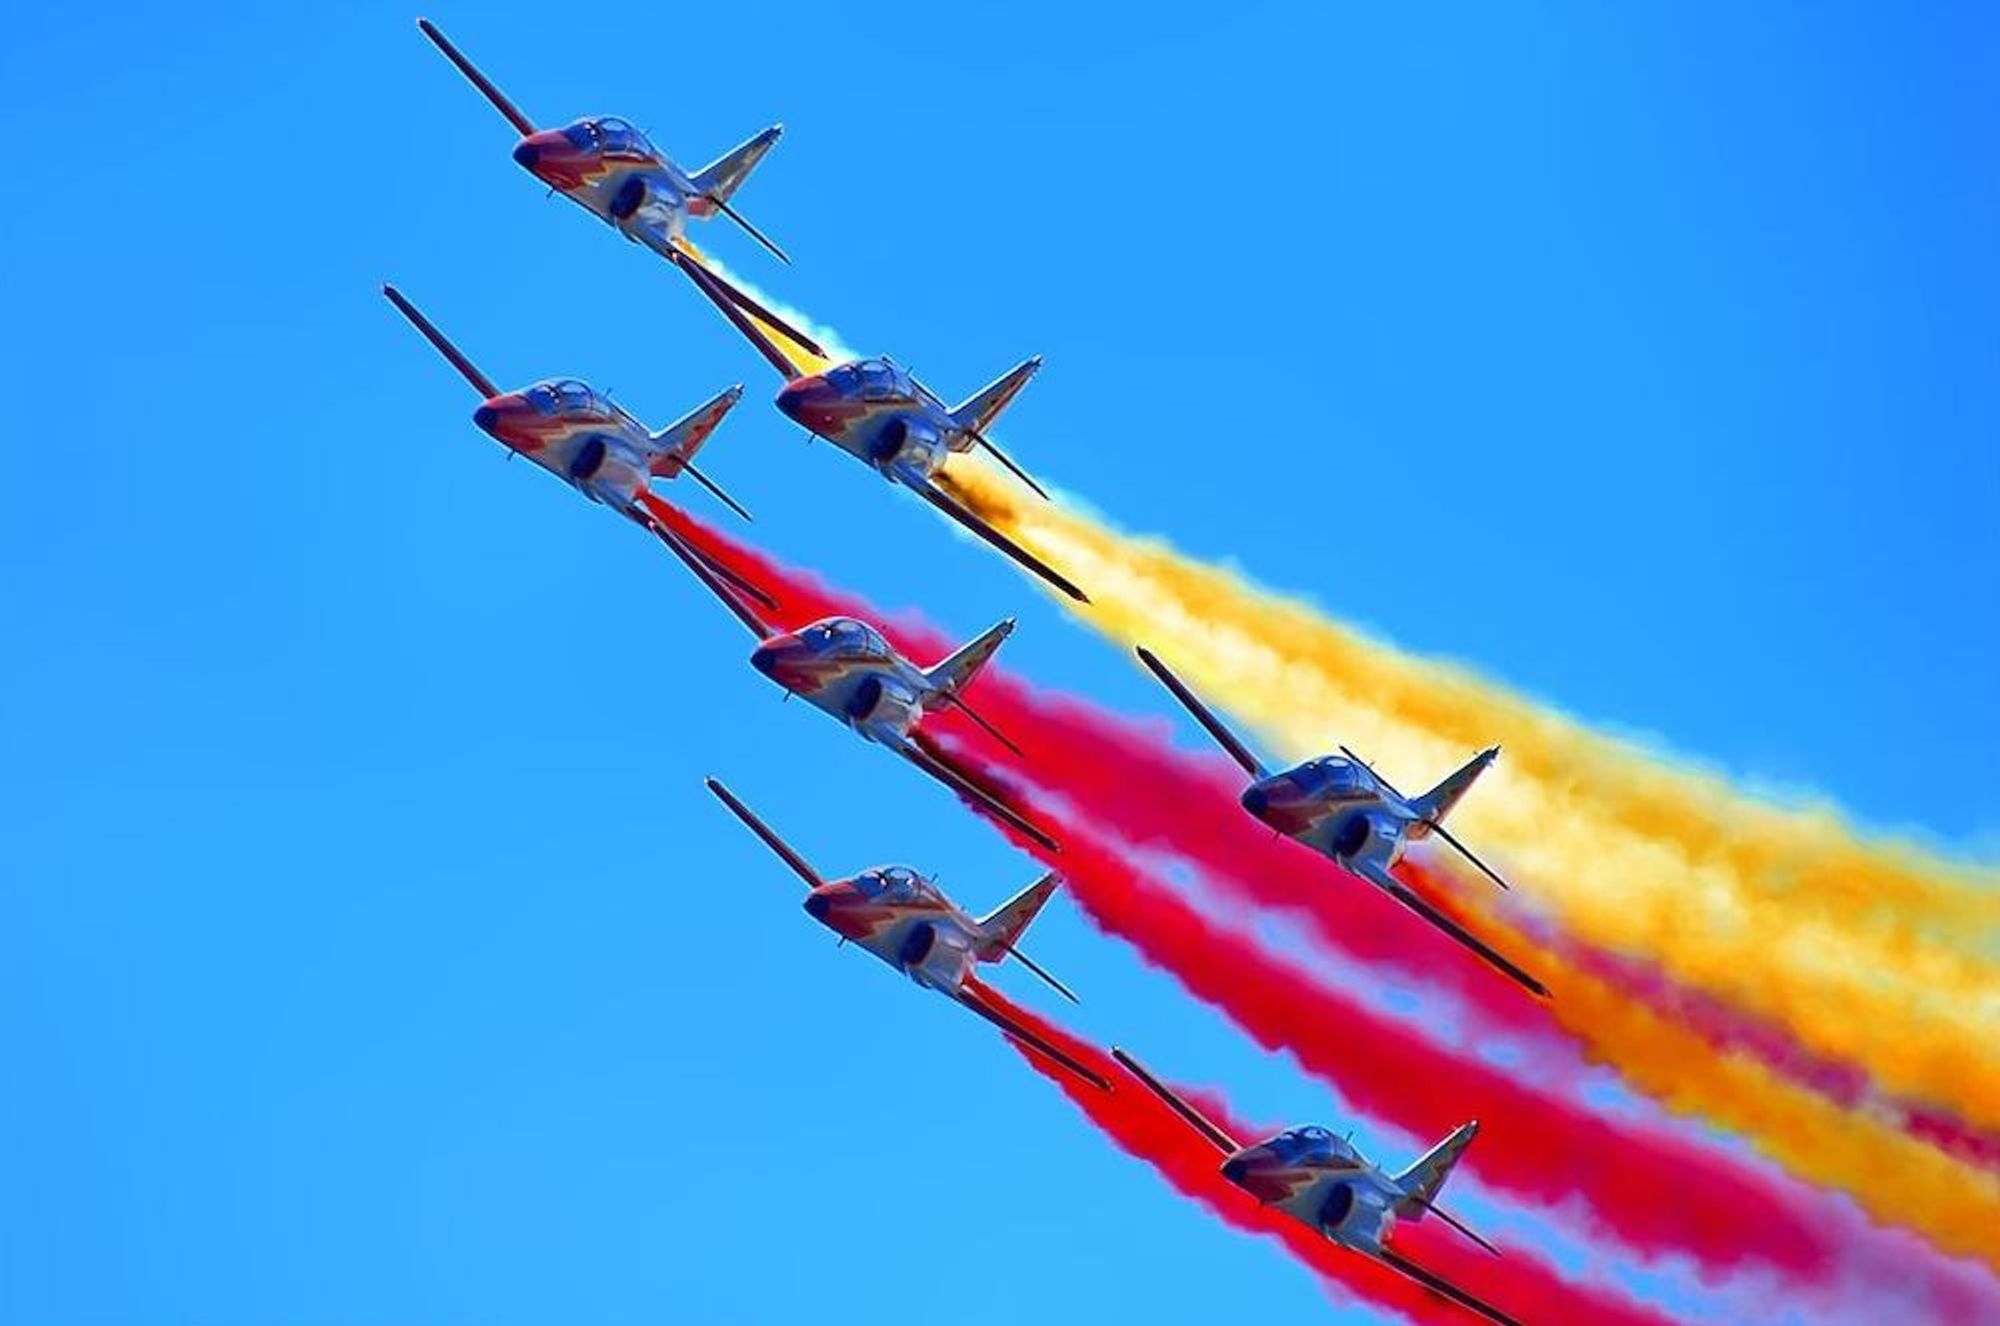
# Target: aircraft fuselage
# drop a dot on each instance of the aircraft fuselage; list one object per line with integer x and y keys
{"x": 1332, "y": 805}
{"x": 609, "y": 169}
{"x": 872, "y": 410}
{"x": 903, "y": 919}
{"x": 1321, "y": 1181}
{"x": 575, "y": 433}
{"x": 845, "y": 667}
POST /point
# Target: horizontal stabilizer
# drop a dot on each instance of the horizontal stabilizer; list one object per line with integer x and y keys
{"x": 675, "y": 445}
{"x": 1423, "y": 1179}
{"x": 980, "y": 409}
{"x": 957, "y": 671}
{"x": 723, "y": 176}
{"x": 1435, "y": 804}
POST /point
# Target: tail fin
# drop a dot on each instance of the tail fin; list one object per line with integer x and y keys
{"x": 952, "y": 675}
{"x": 1435, "y": 804}
{"x": 1422, "y": 1180}
{"x": 1003, "y": 927}
{"x": 719, "y": 179}
{"x": 674, "y": 447}
{"x": 985, "y": 405}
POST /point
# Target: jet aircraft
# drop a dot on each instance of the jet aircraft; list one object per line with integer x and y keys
{"x": 610, "y": 169}
{"x": 1341, "y": 808}
{"x": 1321, "y": 1181}
{"x": 846, "y": 668}
{"x": 904, "y": 919}
{"x": 580, "y": 435}
{"x": 879, "y": 413}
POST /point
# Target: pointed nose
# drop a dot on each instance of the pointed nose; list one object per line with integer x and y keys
{"x": 818, "y": 905}
{"x": 493, "y": 413}
{"x": 528, "y": 152}
{"x": 801, "y": 398}
{"x": 1235, "y": 1168}
{"x": 1256, "y": 800}
{"x": 769, "y": 657}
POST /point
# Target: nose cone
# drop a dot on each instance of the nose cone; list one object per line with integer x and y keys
{"x": 1234, "y": 1168}
{"x": 554, "y": 160}
{"x": 1256, "y": 800}
{"x": 818, "y": 905}
{"x": 774, "y": 658}
{"x": 503, "y": 419}
{"x": 498, "y": 416}
{"x": 805, "y": 400}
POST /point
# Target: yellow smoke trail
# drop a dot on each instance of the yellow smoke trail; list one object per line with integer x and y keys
{"x": 1896, "y": 1178}
{"x": 1864, "y": 952}
{"x": 802, "y": 359}
{"x": 1303, "y": 680}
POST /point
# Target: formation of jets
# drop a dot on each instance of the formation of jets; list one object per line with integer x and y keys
{"x": 878, "y": 412}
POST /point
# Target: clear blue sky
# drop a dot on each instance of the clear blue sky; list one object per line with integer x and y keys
{"x": 368, "y": 949}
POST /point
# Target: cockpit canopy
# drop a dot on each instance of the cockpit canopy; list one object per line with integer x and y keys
{"x": 844, "y": 635}
{"x": 610, "y": 136}
{"x": 890, "y": 884}
{"x": 1331, "y": 775}
{"x": 1311, "y": 1144}
{"x": 872, "y": 380}
{"x": 564, "y": 397}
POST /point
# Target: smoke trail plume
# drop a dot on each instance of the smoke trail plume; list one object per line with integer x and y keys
{"x": 1091, "y": 760}
{"x": 1867, "y": 953}
{"x": 1518, "y": 1283}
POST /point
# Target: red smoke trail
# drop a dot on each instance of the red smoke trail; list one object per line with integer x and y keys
{"x": 1659, "y": 1194}
{"x": 1140, "y": 788}
{"x": 1518, "y": 1283}
{"x": 1651, "y": 1189}
{"x": 1726, "y": 1028}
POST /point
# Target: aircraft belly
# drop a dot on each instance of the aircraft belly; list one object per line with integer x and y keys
{"x": 837, "y": 694}
{"x": 1306, "y": 1200}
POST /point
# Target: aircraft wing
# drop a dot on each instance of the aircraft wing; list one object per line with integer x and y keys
{"x": 1028, "y": 1038}
{"x": 1442, "y": 1287}
{"x": 722, "y": 582}
{"x": 1224, "y": 738}
{"x": 787, "y": 349}
{"x": 1378, "y": 874}
{"x": 963, "y": 514}
{"x": 1193, "y": 1117}
{"x": 926, "y": 756}
{"x": 766, "y": 834}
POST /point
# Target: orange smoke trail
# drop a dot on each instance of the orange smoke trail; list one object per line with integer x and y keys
{"x": 1868, "y": 953}
{"x": 1520, "y": 1283}
{"x": 1122, "y": 778}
